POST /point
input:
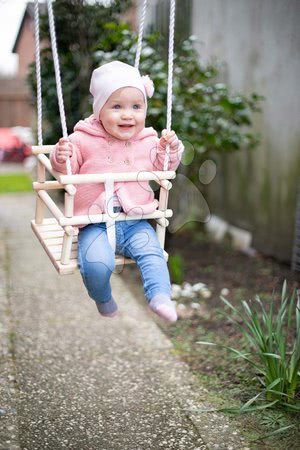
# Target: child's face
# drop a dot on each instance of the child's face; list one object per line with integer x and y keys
{"x": 123, "y": 115}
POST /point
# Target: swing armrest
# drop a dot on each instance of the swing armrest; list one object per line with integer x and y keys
{"x": 42, "y": 149}
{"x": 45, "y": 161}
{"x": 157, "y": 176}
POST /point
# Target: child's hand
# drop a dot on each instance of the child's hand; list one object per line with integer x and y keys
{"x": 169, "y": 138}
{"x": 63, "y": 150}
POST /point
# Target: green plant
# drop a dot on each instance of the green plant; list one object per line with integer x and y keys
{"x": 79, "y": 25}
{"x": 206, "y": 116}
{"x": 176, "y": 267}
{"x": 273, "y": 340}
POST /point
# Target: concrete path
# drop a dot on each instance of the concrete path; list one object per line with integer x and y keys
{"x": 70, "y": 379}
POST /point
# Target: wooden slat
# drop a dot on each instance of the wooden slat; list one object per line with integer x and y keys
{"x": 50, "y": 235}
{"x": 57, "y": 240}
{"x": 57, "y": 248}
{"x": 61, "y": 269}
{"x": 57, "y": 256}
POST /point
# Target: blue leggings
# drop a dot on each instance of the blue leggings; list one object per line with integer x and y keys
{"x": 135, "y": 239}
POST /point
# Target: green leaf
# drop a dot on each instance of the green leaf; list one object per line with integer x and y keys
{"x": 273, "y": 433}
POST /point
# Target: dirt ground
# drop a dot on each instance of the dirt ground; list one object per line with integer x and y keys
{"x": 219, "y": 266}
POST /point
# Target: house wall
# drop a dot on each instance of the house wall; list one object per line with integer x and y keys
{"x": 26, "y": 47}
{"x": 257, "y": 44}
{"x": 15, "y": 107}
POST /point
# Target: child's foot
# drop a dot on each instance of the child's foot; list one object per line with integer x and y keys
{"x": 164, "y": 307}
{"x": 107, "y": 309}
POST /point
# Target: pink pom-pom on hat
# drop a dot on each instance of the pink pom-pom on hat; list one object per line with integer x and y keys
{"x": 115, "y": 75}
{"x": 148, "y": 85}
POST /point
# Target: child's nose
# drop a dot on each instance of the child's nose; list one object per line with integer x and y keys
{"x": 127, "y": 113}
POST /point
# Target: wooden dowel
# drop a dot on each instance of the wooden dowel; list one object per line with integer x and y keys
{"x": 66, "y": 249}
{"x": 166, "y": 184}
{"x": 47, "y": 164}
{"x": 53, "y": 184}
{"x": 38, "y": 149}
{"x": 97, "y": 218}
{"x": 41, "y": 172}
{"x": 51, "y": 205}
{"x": 163, "y": 199}
{"x": 163, "y": 222}
{"x": 69, "y": 205}
{"x": 162, "y": 205}
{"x": 70, "y": 230}
{"x": 126, "y": 176}
{"x": 161, "y": 235}
{"x": 39, "y": 211}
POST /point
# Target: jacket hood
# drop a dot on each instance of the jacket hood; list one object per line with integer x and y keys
{"x": 92, "y": 126}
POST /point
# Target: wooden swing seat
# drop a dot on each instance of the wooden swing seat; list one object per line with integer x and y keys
{"x": 57, "y": 234}
{"x": 50, "y": 234}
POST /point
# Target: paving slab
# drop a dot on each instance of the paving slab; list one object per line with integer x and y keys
{"x": 71, "y": 379}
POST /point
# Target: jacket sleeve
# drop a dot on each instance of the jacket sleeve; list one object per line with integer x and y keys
{"x": 174, "y": 157}
{"x": 75, "y": 159}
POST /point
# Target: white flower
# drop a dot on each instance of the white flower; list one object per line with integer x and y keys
{"x": 195, "y": 305}
{"x": 225, "y": 292}
{"x": 198, "y": 286}
{"x": 205, "y": 293}
{"x": 181, "y": 306}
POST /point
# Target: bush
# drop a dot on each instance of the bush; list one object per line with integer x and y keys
{"x": 205, "y": 115}
{"x": 78, "y": 24}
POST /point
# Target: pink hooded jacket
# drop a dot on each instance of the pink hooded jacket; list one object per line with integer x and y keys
{"x": 95, "y": 151}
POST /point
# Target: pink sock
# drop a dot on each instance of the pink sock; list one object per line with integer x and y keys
{"x": 164, "y": 307}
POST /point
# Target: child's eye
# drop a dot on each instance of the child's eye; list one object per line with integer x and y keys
{"x": 117, "y": 106}
{"x": 136, "y": 106}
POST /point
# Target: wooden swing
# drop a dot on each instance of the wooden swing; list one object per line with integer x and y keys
{"x": 57, "y": 234}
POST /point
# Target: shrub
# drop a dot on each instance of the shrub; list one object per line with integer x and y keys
{"x": 205, "y": 115}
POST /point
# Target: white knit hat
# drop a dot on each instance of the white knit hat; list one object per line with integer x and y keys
{"x": 115, "y": 75}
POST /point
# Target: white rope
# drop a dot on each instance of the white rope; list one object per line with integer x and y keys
{"x": 58, "y": 78}
{"x": 140, "y": 38}
{"x": 38, "y": 72}
{"x": 170, "y": 76}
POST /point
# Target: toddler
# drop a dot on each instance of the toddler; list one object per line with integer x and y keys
{"x": 114, "y": 139}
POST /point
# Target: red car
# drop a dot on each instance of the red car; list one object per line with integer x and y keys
{"x": 12, "y": 149}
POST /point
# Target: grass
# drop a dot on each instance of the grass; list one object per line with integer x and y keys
{"x": 15, "y": 182}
